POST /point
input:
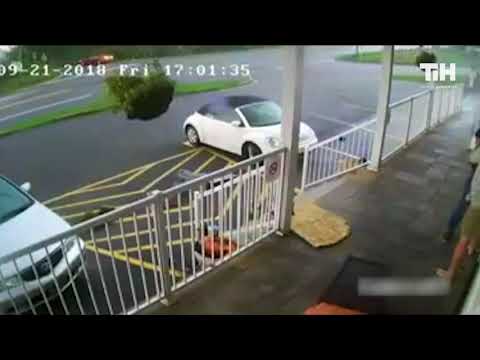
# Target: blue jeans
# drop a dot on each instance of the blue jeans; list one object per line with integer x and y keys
{"x": 459, "y": 211}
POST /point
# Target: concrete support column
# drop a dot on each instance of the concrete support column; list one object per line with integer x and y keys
{"x": 383, "y": 112}
{"x": 292, "y": 113}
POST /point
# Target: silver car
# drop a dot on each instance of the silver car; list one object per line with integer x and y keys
{"x": 25, "y": 222}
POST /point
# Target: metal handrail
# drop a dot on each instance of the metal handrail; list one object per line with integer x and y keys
{"x": 74, "y": 230}
{"x": 336, "y": 137}
{"x": 219, "y": 173}
{"x": 101, "y": 219}
{"x": 409, "y": 98}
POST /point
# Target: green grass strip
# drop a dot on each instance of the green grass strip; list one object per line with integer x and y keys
{"x": 105, "y": 103}
{"x": 420, "y": 78}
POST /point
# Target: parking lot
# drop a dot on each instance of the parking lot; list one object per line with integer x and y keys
{"x": 127, "y": 250}
{"x": 89, "y": 166}
{"x": 133, "y": 184}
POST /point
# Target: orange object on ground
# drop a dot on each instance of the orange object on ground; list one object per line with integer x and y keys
{"x": 216, "y": 245}
{"x": 330, "y": 309}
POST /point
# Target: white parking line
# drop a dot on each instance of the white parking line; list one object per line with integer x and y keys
{"x": 11, "y": 97}
{"x": 33, "y": 99}
{"x": 45, "y": 107}
{"x": 361, "y": 107}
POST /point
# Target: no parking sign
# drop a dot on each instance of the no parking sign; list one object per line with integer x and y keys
{"x": 272, "y": 168}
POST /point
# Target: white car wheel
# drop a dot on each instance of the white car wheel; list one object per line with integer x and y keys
{"x": 250, "y": 150}
{"x": 192, "y": 136}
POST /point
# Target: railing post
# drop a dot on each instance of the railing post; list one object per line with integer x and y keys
{"x": 409, "y": 126}
{"x": 458, "y": 99}
{"x": 161, "y": 237}
{"x": 442, "y": 98}
{"x": 439, "y": 111}
{"x": 305, "y": 167}
{"x": 382, "y": 107}
{"x": 462, "y": 92}
{"x": 428, "y": 123}
{"x": 449, "y": 100}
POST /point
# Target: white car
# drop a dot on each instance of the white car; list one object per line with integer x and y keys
{"x": 25, "y": 222}
{"x": 243, "y": 125}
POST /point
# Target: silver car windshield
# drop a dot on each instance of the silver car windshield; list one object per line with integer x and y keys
{"x": 12, "y": 201}
{"x": 262, "y": 114}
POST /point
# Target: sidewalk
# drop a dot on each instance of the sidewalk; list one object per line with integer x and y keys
{"x": 396, "y": 217}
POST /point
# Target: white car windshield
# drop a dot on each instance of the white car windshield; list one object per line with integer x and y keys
{"x": 12, "y": 201}
{"x": 262, "y": 114}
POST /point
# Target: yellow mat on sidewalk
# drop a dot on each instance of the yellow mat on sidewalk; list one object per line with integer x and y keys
{"x": 317, "y": 226}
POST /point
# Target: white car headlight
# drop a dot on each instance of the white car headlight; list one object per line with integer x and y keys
{"x": 10, "y": 282}
{"x": 70, "y": 243}
{"x": 307, "y": 135}
{"x": 273, "y": 141}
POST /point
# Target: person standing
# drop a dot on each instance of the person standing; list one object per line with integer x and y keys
{"x": 458, "y": 213}
{"x": 470, "y": 233}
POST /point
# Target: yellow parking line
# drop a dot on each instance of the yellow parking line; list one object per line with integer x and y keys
{"x": 144, "y": 169}
{"x": 131, "y": 193}
{"x": 131, "y": 235}
{"x": 221, "y": 156}
{"x": 87, "y": 187}
{"x": 136, "y": 262}
{"x": 125, "y": 219}
{"x": 205, "y": 164}
{"x": 174, "y": 210}
{"x": 171, "y": 170}
{"x": 73, "y": 216}
{"x": 128, "y": 172}
{"x": 149, "y": 247}
{"x": 96, "y": 200}
{"x": 119, "y": 237}
{"x": 230, "y": 200}
{"x": 122, "y": 183}
{"x": 138, "y": 168}
{"x": 141, "y": 217}
{"x": 114, "y": 177}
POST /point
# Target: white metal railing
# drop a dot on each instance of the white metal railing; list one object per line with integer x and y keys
{"x": 139, "y": 254}
{"x": 407, "y": 120}
{"x": 411, "y": 117}
{"x": 238, "y": 206}
{"x": 338, "y": 155}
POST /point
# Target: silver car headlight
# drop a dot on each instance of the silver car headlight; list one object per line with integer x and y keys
{"x": 10, "y": 282}
{"x": 273, "y": 141}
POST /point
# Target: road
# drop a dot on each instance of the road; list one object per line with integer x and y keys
{"x": 67, "y": 155}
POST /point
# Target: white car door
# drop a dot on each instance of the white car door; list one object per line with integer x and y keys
{"x": 224, "y": 130}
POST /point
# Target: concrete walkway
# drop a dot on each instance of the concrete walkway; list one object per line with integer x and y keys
{"x": 396, "y": 217}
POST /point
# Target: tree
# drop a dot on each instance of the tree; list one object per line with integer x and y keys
{"x": 143, "y": 98}
{"x": 425, "y": 57}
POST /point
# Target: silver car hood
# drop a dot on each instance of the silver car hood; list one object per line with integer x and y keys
{"x": 35, "y": 224}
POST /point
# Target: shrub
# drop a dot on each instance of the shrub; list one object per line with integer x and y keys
{"x": 425, "y": 57}
{"x": 141, "y": 97}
